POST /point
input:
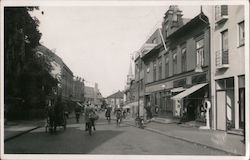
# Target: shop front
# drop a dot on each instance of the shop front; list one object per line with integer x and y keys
{"x": 188, "y": 105}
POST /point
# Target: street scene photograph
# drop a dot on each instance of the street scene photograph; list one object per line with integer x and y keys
{"x": 124, "y": 80}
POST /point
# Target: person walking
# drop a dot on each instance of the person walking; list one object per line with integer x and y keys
{"x": 108, "y": 114}
{"x": 77, "y": 112}
{"x": 118, "y": 116}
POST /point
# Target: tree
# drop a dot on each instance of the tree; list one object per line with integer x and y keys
{"x": 27, "y": 77}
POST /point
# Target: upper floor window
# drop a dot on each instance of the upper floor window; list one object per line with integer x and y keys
{"x": 166, "y": 66}
{"x": 183, "y": 60}
{"x": 221, "y": 11}
{"x": 174, "y": 63}
{"x": 200, "y": 52}
{"x": 241, "y": 33}
{"x": 160, "y": 68}
{"x": 154, "y": 70}
{"x": 224, "y": 40}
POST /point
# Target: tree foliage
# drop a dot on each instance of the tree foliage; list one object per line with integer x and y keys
{"x": 27, "y": 76}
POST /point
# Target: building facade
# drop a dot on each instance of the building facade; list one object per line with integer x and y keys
{"x": 228, "y": 67}
{"x": 116, "y": 100}
{"x": 140, "y": 69}
{"x": 78, "y": 89}
{"x": 60, "y": 71}
{"x": 92, "y": 94}
{"x": 177, "y": 71}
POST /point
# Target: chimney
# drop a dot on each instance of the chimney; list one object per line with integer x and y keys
{"x": 172, "y": 20}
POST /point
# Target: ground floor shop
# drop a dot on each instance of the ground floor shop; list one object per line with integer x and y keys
{"x": 182, "y": 97}
{"x": 230, "y": 103}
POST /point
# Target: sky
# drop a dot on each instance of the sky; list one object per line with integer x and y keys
{"x": 96, "y": 42}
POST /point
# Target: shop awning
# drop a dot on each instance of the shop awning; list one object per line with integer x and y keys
{"x": 188, "y": 91}
{"x": 179, "y": 89}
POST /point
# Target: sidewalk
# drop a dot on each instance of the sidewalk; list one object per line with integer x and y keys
{"x": 229, "y": 143}
{"x": 16, "y": 128}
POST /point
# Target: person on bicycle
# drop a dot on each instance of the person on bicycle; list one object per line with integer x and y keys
{"x": 89, "y": 114}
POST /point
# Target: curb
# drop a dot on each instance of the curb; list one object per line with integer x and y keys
{"x": 21, "y": 133}
{"x": 187, "y": 140}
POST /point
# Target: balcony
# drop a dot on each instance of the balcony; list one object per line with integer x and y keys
{"x": 222, "y": 59}
{"x": 221, "y": 14}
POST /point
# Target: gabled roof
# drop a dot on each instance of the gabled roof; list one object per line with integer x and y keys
{"x": 200, "y": 19}
{"x": 118, "y": 94}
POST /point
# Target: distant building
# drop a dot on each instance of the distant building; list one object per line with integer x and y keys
{"x": 141, "y": 67}
{"x": 78, "y": 89}
{"x": 60, "y": 71}
{"x": 130, "y": 91}
{"x": 92, "y": 94}
{"x": 116, "y": 99}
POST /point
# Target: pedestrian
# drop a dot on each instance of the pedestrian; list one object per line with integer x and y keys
{"x": 77, "y": 112}
{"x": 118, "y": 116}
{"x": 108, "y": 114}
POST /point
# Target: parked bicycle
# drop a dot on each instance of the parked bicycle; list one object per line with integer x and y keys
{"x": 139, "y": 122}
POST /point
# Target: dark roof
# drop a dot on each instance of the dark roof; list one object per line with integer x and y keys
{"x": 118, "y": 94}
{"x": 186, "y": 20}
{"x": 200, "y": 19}
{"x": 153, "y": 51}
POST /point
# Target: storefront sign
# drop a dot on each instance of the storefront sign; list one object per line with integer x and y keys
{"x": 158, "y": 87}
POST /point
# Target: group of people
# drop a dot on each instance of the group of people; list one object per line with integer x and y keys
{"x": 118, "y": 112}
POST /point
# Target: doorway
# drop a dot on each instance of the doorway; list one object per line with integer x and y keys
{"x": 221, "y": 110}
{"x": 242, "y": 107}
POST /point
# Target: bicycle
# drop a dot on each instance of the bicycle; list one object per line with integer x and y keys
{"x": 139, "y": 122}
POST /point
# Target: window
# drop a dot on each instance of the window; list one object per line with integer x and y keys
{"x": 166, "y": 67}
{"x": 200, "y": 52}
{"x": 241, "y": 33}
{"x": 224, "y": 40}
{"x": 183, "y": 60}
{"x": 160, "y": 68}
{"x": 154, "y": 70}
{"x": 220, "y": 12}
{"x": 174, "y": 63}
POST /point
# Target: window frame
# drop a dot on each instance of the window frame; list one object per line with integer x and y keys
{"x": 201, "y": 58}
{"x": 166, "y": 66}
{"x": 184, "y": 65}
{"x": 222, "y": 40}
{"x": 154, "y": 70}
{"x": 174, "y": 56}
{"x": 239, "y": 33}
{"x": 160, "y": 68}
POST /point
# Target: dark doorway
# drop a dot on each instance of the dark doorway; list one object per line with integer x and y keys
{"x": 242, "y": 107}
